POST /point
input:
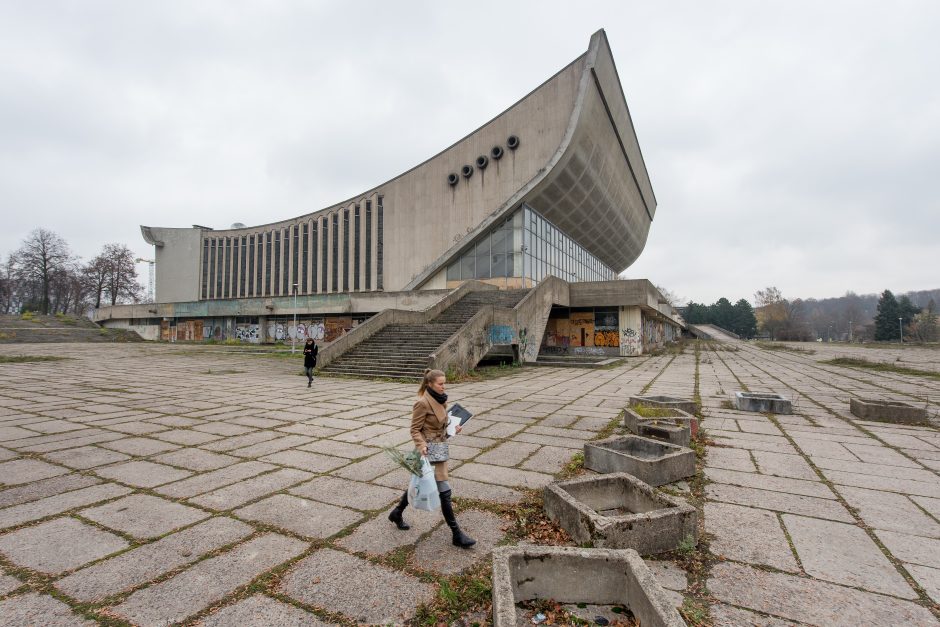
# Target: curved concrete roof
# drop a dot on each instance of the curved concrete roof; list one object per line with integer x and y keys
{"x": 578, "y": 163}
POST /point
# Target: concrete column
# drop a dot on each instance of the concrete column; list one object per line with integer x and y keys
{"x": 262, "y": 329}
{"x": 631, "y": 331}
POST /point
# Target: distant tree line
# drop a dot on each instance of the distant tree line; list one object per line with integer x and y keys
{"x": 801, "y": 320}
{"x": 43, "y": 275}
{"x": 900, "y": 317}
{"x": 738, "y": 318}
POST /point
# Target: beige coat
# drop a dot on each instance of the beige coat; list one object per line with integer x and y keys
{"x": 429, "y": 424}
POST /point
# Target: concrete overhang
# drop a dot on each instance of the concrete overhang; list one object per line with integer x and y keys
{"x": 596, "y": 187}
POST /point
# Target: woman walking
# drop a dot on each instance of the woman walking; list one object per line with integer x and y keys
{"x": 310, "y": 359}
{"x": 428, "y": 430}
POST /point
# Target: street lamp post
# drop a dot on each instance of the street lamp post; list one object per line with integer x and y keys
{"x": 850, "y": 331}
{"x": 293, "y": 338}
{"x": 901, "y": 329}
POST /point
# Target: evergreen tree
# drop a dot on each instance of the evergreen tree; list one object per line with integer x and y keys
{"x": 723, "y": 315}
{"x": 745, "y": 322}
{"x": 886, "y": 320}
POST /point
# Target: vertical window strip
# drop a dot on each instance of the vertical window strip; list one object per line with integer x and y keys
{"x": 288, "y": 266}
{"x": 324, "y": 248}
{"x": 368, "y": 244}
{"x": 356, "y": 238}
{"x": 244, "y": 267}
{"x": 212, "y": 268}
{"x": 267, "y": 263}
{"x": 379, "y": 248}
{"x": 236, "y": 266}
{"x": 334, "y": 283}
{"x": 303, "y": 262}
{"x": 277, "y": 264}
{"x": 205, "y": 268}
{"x": 227, "y": 269}
{"x": 313, "y": 256}
{"x": 251, "y": 265}
{"x": 219, "y": 265}
{"x": 345, "y": 250}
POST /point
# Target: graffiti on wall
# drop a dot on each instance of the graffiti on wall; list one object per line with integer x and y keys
{"x": 248, "y": 333}
{"x": 588, "y": 350}
{"x": 629, "y": 342}
{"x": 607, "y": 338}
{"x": 501, "y": 334}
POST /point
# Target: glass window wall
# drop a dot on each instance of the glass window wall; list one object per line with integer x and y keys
{"x": 529, "y": 246}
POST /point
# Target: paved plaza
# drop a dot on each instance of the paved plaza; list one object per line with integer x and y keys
{"x": 153, "y": 484}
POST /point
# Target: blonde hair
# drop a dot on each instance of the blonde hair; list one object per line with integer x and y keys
{"x": 429, "y": 376}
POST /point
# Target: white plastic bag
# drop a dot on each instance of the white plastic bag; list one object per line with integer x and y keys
{"x": 422, "y": 492}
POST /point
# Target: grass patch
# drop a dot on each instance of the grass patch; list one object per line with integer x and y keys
{"x": 777, "y": 346}
{"x": 879, "y": 366}
{"x": 22, "y": 359}
{"x": 647, "y": 411}
{"x": 28, "y": 316}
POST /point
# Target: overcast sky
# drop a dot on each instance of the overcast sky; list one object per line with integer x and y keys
{"x": 794, "y": 144}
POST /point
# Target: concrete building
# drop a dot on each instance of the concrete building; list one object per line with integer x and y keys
{"x": 555, "y": 186}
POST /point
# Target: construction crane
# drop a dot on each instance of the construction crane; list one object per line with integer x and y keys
{"x": 151, "y": 263}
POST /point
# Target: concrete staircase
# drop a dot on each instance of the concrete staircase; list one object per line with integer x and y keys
{"x": 400, "y": 351}
{"x": 36, "y": 328}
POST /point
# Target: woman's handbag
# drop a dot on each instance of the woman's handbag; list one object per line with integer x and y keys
{"x": 422, "y": 492}
{"x": 438, "y": 452}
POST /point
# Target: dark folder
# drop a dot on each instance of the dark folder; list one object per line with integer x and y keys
{"x": 458, "y": 410}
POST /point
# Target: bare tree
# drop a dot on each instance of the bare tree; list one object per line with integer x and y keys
{"x": 43, "y": 255}
{"x": 95, "y": 275}
{"x": 121, "y": 271}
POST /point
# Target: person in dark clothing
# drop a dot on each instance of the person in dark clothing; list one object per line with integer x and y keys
{"x": 310, "y": 359}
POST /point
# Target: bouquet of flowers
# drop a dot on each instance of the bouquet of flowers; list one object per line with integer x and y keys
{"x": 410, "y": 462}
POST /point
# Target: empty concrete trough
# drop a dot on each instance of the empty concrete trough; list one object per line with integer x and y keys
{"x": 618, "y": 511}
{"x": 661, "y": 423}
{"x": 670, "y": 402}
{"x": 656, "y": 463}
{"x": 763, "y": 402}
{"x": 888, "y": 411}
{"x": 573, "y": 575}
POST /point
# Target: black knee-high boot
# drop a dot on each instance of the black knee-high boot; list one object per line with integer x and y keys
{"x": 459, "y": 537}
{"x": 395, "y": 514}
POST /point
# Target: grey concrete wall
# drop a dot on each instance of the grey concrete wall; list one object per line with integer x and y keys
{"x": 177, "y": 253}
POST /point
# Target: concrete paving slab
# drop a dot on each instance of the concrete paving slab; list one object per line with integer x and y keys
{"x": 748, "y": 535}
{"x": 809, "y": 601}
{"x": 890, "y": 511}
{"x": 85, "y": 457}
{"x": 142, "y": 474}
{"x": 45, "y": 487}
{"x": 21, "y": 471}
{"x": 58, "y": 545}
{"x": 780, "y": 465}
{"x": 779, "y": 502}
{"x": 438, "y": 554}
{"x": 509, "y": 477}
{"x": 311, "y": 462}
{"x": 730, "y": 459}
{"x": 815, "y": 489}
{"x": 207, "y": 582}
{"x": 844, "y": 554}
{"x": 39, "y": 609}
{"x": 250, "y": 489}
{"x": 209, "y": 481}
{"x": 301, "y": 516}
{"x": 381, "y": 595}
{"x": 346, "y": 493}
{"x": 143, "y": 516}
{"x": 262, "y": 611}
{"x": 51, "y": 505}
{"x": 140, "y": 447}
{"x": 138, "y": 566}
{"x": 379, "y": 535}
{"x": 196, "y": 459}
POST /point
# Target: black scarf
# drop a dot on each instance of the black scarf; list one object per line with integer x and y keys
{"x": 440, "y": 398}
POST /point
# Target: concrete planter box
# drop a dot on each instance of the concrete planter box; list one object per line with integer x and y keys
{"x": 618, "y": 511}
{"x": 677, "y": 427}
{"x": 655, "y": 463}
{"x": 572, "y": 575}
{"x": 763, "y": 402}
{"x": 668, "y": 402}
{"x": 888, "y": 411}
